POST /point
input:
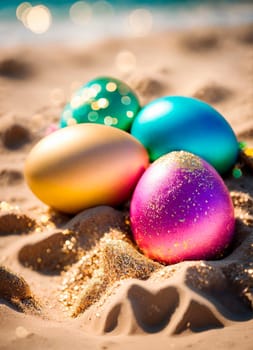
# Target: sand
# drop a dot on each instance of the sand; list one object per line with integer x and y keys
{"x": 79, "y": 281}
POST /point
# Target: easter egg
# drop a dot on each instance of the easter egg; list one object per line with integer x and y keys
{"x": 85, "y": 165}
{"x": 103, "y": 100}
{"x": 176, "y": 123}
{"x": 181, "y": 210}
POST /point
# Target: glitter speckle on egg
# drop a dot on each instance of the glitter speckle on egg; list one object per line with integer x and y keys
{"x": 103, "y": 100}
{"x": 181, "y": 210}
{"x": 180, "y": 123}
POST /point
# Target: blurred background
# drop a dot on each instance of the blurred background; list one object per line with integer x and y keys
{"x": 80, "y": 22}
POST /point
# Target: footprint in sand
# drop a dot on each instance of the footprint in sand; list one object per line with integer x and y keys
{"x": 15, "y": 136}
{"x": 245, "y": 35}
{"x": 213, "y": 93}
{"x": 12, "y": 221}
{"x": 15, "y": 290}
{"x": 14, "y": 68}
{"x": 200, "y": 42}
{"x": 9, "y": 177}
{"x": 148, "y": 87}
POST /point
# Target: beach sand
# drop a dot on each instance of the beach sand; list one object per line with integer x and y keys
{"x": 78, "y": 281}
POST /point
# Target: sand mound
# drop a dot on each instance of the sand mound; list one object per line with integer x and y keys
{"x": 15, "y": 290}
{"x": 101, "y": 271}
{"x": 12, "y": 221}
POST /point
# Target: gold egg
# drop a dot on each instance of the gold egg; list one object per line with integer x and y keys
{"x": 85, "y": 165}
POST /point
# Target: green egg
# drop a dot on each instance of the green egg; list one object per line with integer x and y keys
{"x": 103, "y": 100}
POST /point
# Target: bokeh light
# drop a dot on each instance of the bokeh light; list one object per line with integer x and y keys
{"x": 57, "y": 96}
{"x": 140, "y": 22}
{"x": 125, "y": 61}
{"x": 80, "y": 13}
{"x": 39, "y": 19}
{"x": 22, "y": 10}
{"x": 103, "y": 7}
{"x": 36, "y": 18}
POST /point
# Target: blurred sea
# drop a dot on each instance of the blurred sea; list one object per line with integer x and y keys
{"x": 75, "y": 22}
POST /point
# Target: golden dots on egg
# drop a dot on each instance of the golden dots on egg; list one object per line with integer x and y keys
{"x": 184, "y": 160}
{"x": 130, "y": 114}
{"x": 111, "y": 86}
{"x": 95, "y": 106}
{"x": 93, "y": 116}
{"x": 126, "y": 100}
{"x": 107, "y": 96}
{"x": 108, "y": 120}
{"x": 103, "y": 103}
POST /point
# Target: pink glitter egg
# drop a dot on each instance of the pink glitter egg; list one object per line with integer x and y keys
{"x": 181, "y": 210}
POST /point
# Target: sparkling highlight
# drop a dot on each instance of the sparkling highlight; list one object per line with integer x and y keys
{"x": 103, "y": 100}
{"x": 181, "y": 210}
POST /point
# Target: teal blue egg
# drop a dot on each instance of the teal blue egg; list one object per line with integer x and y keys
{"x": 175, "y": 123}
{"x": 103, "y": 100}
